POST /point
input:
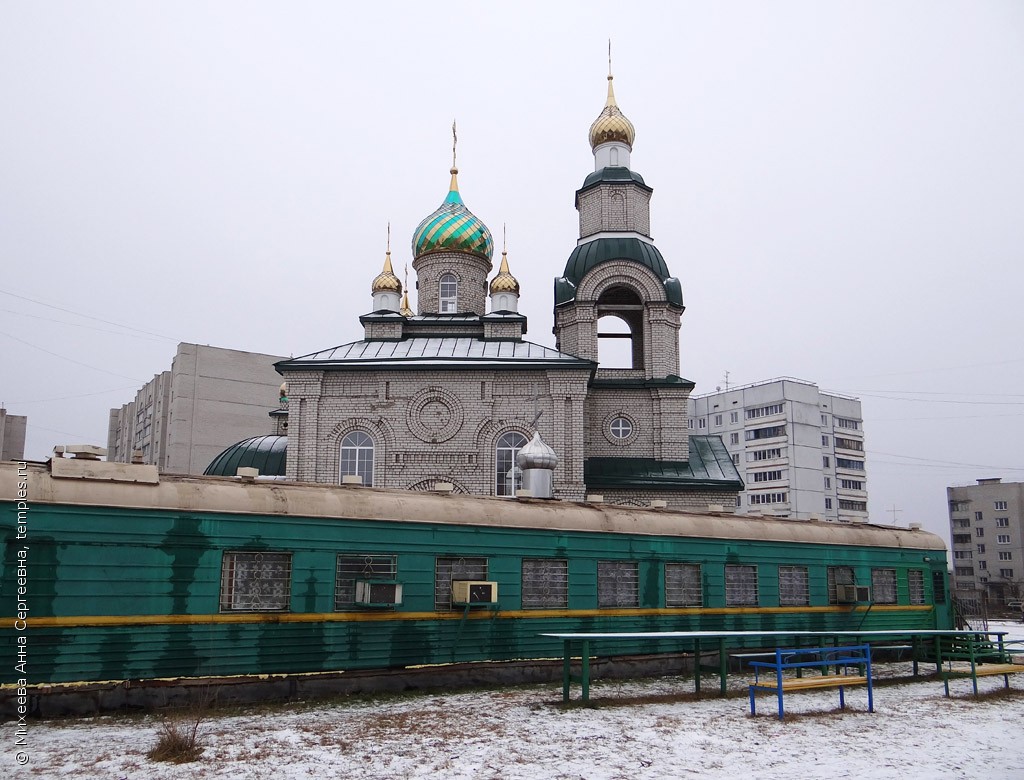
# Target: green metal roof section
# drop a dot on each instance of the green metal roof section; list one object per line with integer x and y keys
{"x": 710, "y": 468}
{"x": 613, "y": 175}
{"x": 266, "y": 453}
{"x": 586, "y": 257}
{"x": 631, "y": 384}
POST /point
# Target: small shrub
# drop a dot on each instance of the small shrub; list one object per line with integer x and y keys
{"x": 178, "y": 741}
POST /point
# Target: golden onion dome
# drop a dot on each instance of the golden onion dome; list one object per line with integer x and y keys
{"x": 611, "y": 124}
{"x": 386, "y": 281}
{"x": 406, "y": 310}
{"x": 504, "y": 281}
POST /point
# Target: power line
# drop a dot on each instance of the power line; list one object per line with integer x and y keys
{"x": 70, "y": 397}
{"x": 87, "y": 316}
{"x": 942, "y": 400}
{"x": 81, "y": 325}
{"x": 71, "y": 360}
{"x": 926, "y": 461}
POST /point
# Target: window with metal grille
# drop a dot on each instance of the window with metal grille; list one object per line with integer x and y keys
{"x": 794, "y": 586}
{"x": 360, "y": 567}
{"x": 683, "y": 586}
{"x": 883, "y": 586}
{"x": 617, "y": 584}
{"x": 545, "y": 583}
{"x": 939, "y": 586}
{"x": 915, "y": 581}
{"x": 448, "y": 569}
{"x": 255, "y": 581}
{"x": 838, "y": 575}
{"x": 740, "y": 585}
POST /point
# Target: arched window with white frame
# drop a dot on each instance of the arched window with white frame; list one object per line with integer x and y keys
{"x": 508, "y": 477}
{"x": 448, "y": 294}
{"x": 357, "y": 456}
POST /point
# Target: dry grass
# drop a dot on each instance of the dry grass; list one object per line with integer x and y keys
{"x": 178, "y": 736}
{"x": 177, "y": 741}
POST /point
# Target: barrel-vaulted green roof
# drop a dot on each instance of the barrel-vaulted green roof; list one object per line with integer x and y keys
{"x": 588, "y": 256}
{"x": 265, "y": 453}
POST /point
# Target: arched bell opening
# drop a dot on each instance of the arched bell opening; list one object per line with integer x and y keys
{"x": 620, "y": 329}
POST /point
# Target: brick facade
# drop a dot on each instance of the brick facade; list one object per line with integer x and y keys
{"x": 435, "y": 412}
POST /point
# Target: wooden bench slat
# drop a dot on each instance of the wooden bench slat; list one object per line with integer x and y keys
{"x": 800, "y": 683}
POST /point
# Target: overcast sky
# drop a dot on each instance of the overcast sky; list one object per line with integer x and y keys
{"x": 838, "y": 186}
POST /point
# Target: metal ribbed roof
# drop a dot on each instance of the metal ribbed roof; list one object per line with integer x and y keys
{"x": 266, "y": 453}
{"x": 585, "y": 257}
{"x": 709, "y": 467}
{"x": 439, "y": 351}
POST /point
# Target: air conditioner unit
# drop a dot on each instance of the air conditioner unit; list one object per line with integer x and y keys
{"x": 378, "y": 593}
{"x": 474, "y": 592}
{"x": 852, "y": 594}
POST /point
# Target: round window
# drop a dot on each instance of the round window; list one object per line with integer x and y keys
{"x": 621, "y": 428}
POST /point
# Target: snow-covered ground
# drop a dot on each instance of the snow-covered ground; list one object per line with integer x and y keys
{"x": 639, "y": 729}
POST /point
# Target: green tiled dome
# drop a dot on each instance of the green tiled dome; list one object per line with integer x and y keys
{"x": 453, "y": 228}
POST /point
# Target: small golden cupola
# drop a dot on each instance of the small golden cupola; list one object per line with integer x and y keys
{"x": 504, "y": 287}
{"x": 611, "y": 134}
{"x": 386, "y": 287}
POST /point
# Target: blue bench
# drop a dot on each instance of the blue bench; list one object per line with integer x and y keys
{"x": 819, "y": 659}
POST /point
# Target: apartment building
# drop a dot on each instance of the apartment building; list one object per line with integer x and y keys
{"x": 799, "y": 450}
{"x": 183, "y": 418}
{"x": 986, "y": 523}
{"x": 12, "y": 435}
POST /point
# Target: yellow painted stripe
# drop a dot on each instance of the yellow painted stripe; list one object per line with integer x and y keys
{"x": 385, "y": 616}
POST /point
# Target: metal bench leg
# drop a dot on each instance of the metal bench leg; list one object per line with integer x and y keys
{"x": 566, "y": 668}
{"x": 585, "y": 670}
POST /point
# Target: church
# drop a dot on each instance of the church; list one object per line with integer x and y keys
{"x": 446, "y": 397}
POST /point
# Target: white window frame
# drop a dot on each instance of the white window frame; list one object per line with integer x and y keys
{"x": 356, "y": 453}
{"x": 448, "y": 294}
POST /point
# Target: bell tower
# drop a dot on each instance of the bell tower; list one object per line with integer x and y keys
{"x": 616, "y": 285}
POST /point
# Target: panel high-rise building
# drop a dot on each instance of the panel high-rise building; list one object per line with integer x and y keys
{"x": 800, "y": 451}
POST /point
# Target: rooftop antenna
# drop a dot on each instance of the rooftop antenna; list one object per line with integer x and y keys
{"x": 894, "y": 511}
{"x": 725, "y": 380}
